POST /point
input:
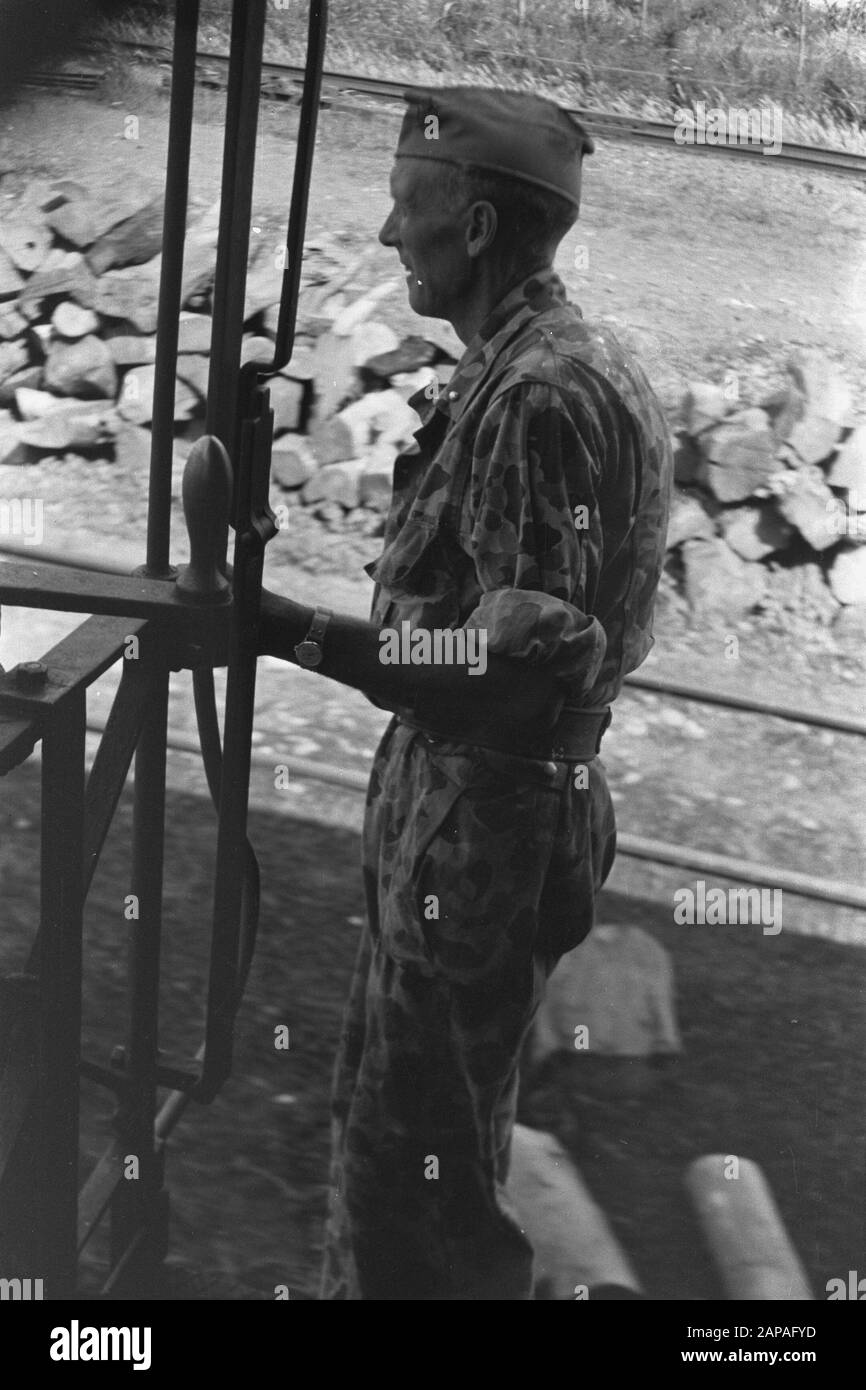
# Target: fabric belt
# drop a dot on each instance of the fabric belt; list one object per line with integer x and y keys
{"x": 575, "y": 738}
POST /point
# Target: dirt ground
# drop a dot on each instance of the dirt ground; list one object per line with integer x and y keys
{"x": 703, "y": 265}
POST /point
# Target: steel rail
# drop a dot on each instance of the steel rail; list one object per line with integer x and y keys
{"x": 837, "y": 892}
{"x": 796, "y": 714}
{"x": 610, "y": 125}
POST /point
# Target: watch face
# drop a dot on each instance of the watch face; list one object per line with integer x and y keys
{"x": 309, "y": 653}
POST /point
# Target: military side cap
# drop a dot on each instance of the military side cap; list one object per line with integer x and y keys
{"x": 519, "y": 134}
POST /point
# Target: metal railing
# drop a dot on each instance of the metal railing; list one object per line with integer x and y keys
{"x": 161, "y": 620}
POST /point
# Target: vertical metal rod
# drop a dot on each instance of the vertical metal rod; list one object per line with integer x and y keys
{"x": 171, "y": 278}
{"x": 59, "y": 957}
{"x": 316, "y": 39}
{"x": 138, "y": 1202}
{"x": 235, "y": 875}
{"x": 239, "y": 156}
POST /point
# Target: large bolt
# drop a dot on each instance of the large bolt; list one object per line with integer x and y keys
{"x": 31, "y": 676}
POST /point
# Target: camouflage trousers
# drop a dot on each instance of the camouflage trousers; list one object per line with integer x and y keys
{"x": 481, "y": 869}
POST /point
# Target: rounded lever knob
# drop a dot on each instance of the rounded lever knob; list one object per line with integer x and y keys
{"x": 207, "y": 493}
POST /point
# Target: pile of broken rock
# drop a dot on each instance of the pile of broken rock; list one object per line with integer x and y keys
{"x": 79, "y": 284}
{"x": 777, "y": 484}
{"x": 769, "y": 485}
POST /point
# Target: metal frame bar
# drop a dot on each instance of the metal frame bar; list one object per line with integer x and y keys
{"x": 178, "y": 625}
{"x": 239, "y": 156}
{"x": 59, "y": 971}
{"x": 170, "y": 280}
{"x": 137, "y": 1204}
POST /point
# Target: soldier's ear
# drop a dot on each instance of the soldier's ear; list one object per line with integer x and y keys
{"x": 482, "y": 221}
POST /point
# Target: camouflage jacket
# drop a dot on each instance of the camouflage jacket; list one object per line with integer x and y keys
{"x": 534, "y": 504}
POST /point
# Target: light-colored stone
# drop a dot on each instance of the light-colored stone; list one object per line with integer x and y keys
{"x": 377, "y": 480}
{"x": 264, "y": 284}
{"x": 75, "y": 220}
{"x": 847, "y": 575}
{"x": 13, "y": 357}
{"x": 394, "y": 421}
{"x": 751, "y": 417}
{"x": 753, "y": 532}
{"x": 380, "y": 416}
{"x": 688, "y": 518}
{"x": 12, "y": 322}
{"x": 70, "y": 320}
{"x": 13, "y": 450}
{"x": 719, "y": 585}
{"x": 81, "y": 427}
{"x": 301, "y": 366}
{"x": 132, "y": 349}
{"x": 737, "y": 461}
{"x": 409, "y": 383}
{"x": 292, "y": 461}
{"x": 194, "y": 333}
{"x": 131, "y": 294}
{"x": 135, "y": 402}
{"x": 199, "y": 254}
{"x": 82, "y": 220}
{"x": 618, "y": 985}
{"x": 334, "y": 441}
{"x": 371, "y": 339}
{"x": 826, "y": 392}
{"x": 256, "y": 348}
{"x": 33, "y": 405}
{"x": 336, "y": 482}
{"x": 194, "y": 369}
{"x": 702, "y": 405}
{"x": 849, "y": 625}
{"x": 25, "y": 243}
{"x": 814, "y": 438}
{"x": 358, "y": 311}
{"x": 83, "y": 368}
{"x": 806, "y": 502}
{"x": 334, "y": 374}
{"x": 132, "y": 447}
{"x": 131, "y": 242}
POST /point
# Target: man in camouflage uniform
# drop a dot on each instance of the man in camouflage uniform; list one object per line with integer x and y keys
{"x": 533, "y": 508}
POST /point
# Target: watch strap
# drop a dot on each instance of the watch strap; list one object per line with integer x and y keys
{"x": 318, "y": 626}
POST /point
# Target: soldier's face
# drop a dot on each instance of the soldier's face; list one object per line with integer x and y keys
{"x": 430, "y": 242}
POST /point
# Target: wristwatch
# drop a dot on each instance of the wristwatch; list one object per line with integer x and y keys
{"x": 310, "y": 652}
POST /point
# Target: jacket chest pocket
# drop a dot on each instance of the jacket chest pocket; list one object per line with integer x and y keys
{"x": 420, "y": 570}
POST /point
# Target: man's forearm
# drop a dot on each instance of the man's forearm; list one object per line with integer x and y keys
{"x": 352, "y": 648}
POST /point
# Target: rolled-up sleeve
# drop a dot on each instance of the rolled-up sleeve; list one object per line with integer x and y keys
{"x": 533, "y": 531}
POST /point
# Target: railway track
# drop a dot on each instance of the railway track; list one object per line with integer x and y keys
{"x": 350, "y": 92}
